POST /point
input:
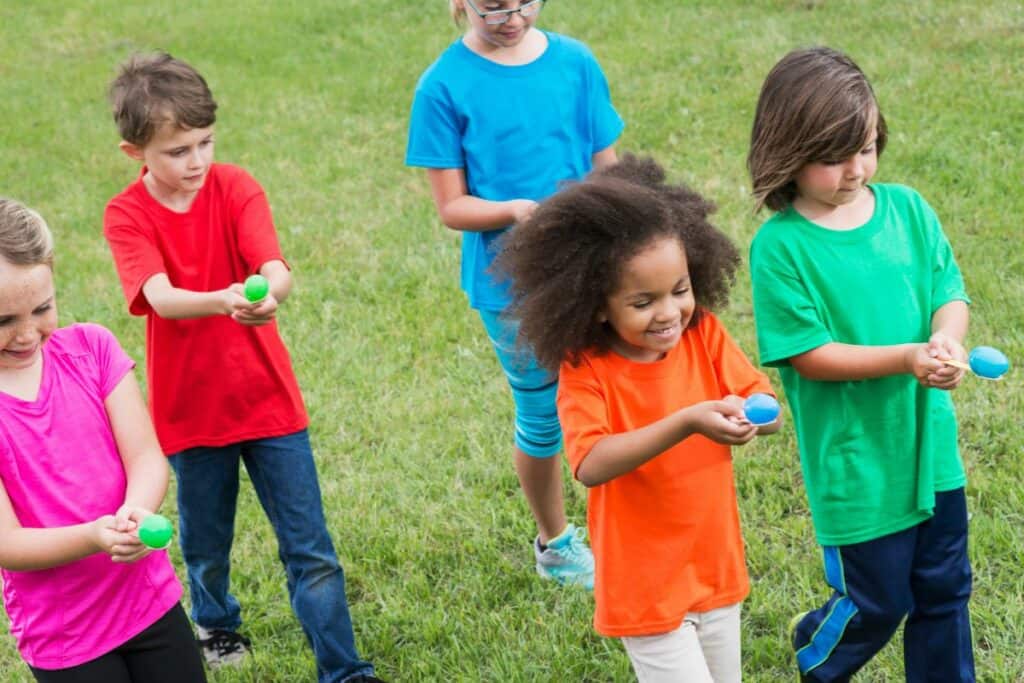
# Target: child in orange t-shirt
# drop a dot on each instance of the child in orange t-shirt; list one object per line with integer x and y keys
{"x": 614, "y": 279}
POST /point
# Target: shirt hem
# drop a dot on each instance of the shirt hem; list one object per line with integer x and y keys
{"x": 55, "y": 664}
{"x": 174, "y": 448}
{"x": 667, "y": 625}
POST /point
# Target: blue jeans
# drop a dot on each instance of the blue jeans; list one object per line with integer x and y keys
{"x": 284, "y": 477}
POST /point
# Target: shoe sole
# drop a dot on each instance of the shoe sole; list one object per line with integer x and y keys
{"x": 562, "y": 580}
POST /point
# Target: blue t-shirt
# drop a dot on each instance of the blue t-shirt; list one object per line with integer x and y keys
{"x": 516, "y": 131}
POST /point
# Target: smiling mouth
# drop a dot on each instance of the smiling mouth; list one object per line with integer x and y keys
{"x": 664, "y": 331}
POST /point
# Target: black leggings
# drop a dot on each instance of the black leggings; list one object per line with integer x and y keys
{"x": 166, "y": 652}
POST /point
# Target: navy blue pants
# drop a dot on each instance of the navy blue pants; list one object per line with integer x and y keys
{"x": 921, "y": 573}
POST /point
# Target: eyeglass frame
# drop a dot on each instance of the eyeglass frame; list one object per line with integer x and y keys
{"x": 506, "y": 13}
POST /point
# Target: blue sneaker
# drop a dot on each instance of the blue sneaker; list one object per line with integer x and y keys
{"x": 567, "y": 559}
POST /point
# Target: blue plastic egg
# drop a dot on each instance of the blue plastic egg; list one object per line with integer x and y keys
{"x": 988, "y": 362}
{"x": 761, "y": 409}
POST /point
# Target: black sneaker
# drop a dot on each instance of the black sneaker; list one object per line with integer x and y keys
{"x": 221, "y": 647}
{"x": 364, "y": 678}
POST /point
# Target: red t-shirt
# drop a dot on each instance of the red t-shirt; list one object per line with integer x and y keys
{"x": 666, "y": 536}
{"x": 212, "y": 382}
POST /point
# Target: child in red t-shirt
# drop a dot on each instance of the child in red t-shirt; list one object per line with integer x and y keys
{"x": 184, "y": 235}
{"x": 614, "y": 279}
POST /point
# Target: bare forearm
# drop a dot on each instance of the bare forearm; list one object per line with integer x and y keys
{"x": 147, "y": 481}
{"x": 835, "y": 362}
{"x": 24, "y": 549}
{"x": 618, "y": 454}
{"x": 472, "y": 214}
{"x": 952, "y": 319}
{"x": 280, "y": 279}
{"x": 174, "y": 303}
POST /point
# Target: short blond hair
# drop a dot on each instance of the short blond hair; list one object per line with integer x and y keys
{"x": 25, "y": 239}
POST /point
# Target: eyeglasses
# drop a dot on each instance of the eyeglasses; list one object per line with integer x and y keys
{"x": 526, "y": 10}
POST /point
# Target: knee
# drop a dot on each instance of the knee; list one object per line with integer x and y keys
{"x": 538, "y": 432}
{"x": 884, "y": 614}
{"x": 941, "y": 591}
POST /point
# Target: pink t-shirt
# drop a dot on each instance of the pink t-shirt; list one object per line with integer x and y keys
{"x": 60, "y": 466}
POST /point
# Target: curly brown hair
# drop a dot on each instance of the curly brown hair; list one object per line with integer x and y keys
{"x": 567, "y": 260}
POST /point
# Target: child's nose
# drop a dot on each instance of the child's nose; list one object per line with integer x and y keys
{"x": 26, "y": 333}
{"x": 854, "y": 167}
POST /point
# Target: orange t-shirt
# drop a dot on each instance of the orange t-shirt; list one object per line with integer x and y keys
{"x": 666, "y": 536}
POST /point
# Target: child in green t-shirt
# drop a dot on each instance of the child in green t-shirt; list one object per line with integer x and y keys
{"x": 858, "y": 301}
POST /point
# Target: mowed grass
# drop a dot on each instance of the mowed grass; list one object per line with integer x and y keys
{"x": 411, "y": 419}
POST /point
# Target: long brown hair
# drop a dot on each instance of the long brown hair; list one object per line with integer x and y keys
{"x": 815, "y": 105}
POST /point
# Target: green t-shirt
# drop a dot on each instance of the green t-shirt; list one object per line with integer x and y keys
{"x": 874, "y": 452}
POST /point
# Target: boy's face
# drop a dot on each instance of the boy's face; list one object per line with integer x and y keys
{"x": 827, "y": 185}
{"x": 177, "y": 160}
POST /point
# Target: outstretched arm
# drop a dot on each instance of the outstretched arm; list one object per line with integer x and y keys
{"x": 175, "y": 303}
{"x": 618, "y": 454}
{"x": 23, "y": 550}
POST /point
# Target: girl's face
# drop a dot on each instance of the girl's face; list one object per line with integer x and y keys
{"x": 826, "y": 185}
{"x": 28, "y": 313}
{"x": 504, "y": 35}
{"x": 653, "y": 303}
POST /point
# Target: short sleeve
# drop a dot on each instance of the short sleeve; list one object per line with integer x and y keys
{"x": 787, "y": 321}
{"x": 582, "y": 412}
{"x": 947, "y": 280}
{"x": 435, "y": 135}
{"x": 607, "y": 125}
{"x": 255, "y": 232}
{"x": 111, "y": 361}
{"x": 136, "y": 254}
{"x": 735, "y": 373}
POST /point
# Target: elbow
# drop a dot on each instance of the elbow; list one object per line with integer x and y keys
{"x": 450, "y": 217}
{"x": 448, "y": 220}
{"x": 160, "y": 308}
{"x": 807, "y": 369}
{"x": 587, "y": 476}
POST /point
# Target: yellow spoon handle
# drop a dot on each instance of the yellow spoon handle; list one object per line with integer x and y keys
{"x": 957, "y": 364}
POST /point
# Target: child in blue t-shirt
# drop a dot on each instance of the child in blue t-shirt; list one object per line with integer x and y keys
{"x": 503, "y": 116}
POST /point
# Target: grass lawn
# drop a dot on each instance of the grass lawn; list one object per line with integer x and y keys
{"x": 411, "y": 419}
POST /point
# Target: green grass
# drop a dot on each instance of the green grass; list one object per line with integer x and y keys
{"x": 410, "y": 418}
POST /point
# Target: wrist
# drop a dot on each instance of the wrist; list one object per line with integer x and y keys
{"x": 910, "y": 357}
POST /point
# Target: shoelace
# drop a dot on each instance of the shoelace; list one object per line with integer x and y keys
{"x": 575, "y": 548}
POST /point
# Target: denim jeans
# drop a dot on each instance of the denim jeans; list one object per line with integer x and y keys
{"x": 284, "y": 476}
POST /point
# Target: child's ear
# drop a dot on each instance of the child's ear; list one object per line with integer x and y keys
{"x": 133, "y": 151}
{"x": 602, "y": 317}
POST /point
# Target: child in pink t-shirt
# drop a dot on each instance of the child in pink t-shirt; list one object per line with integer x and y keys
{"x": 80, "y": 468}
